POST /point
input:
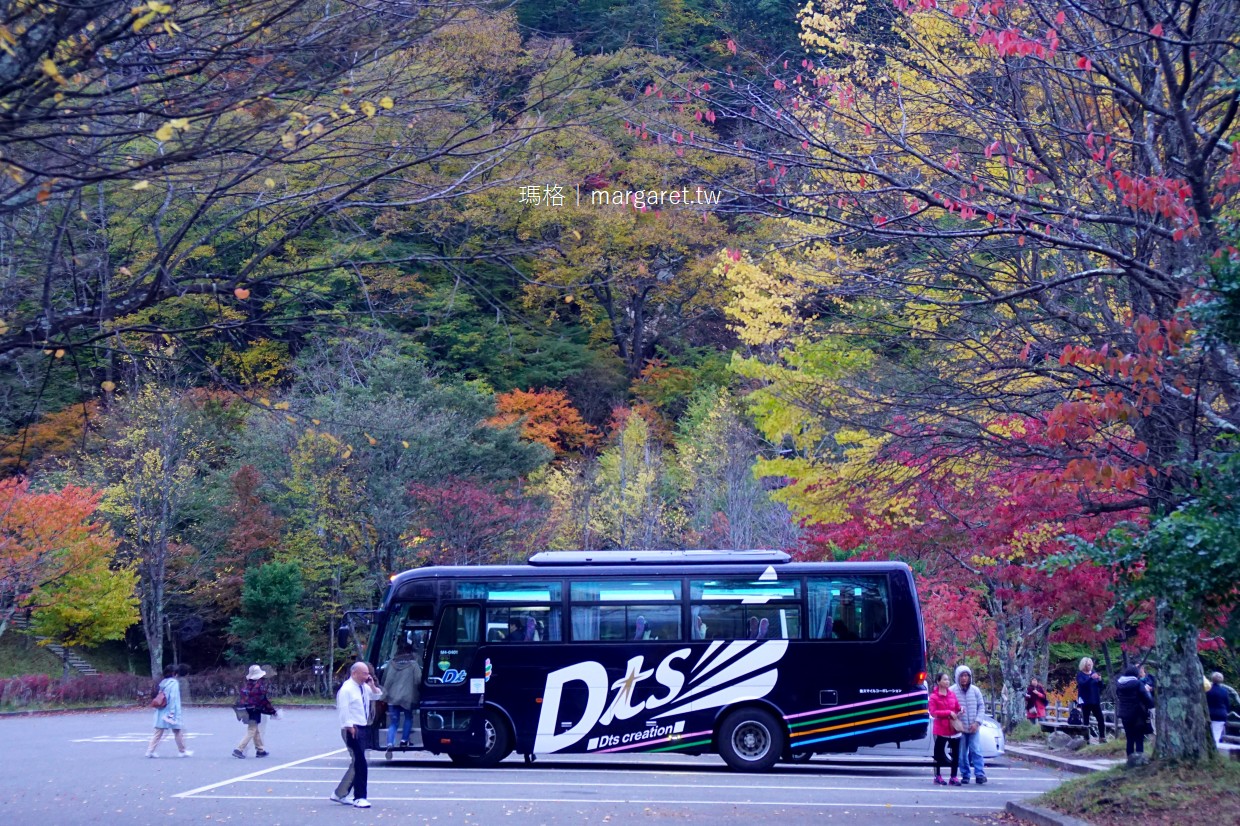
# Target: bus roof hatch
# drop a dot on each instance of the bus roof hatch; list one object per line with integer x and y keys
{"x": 546, "y": 558}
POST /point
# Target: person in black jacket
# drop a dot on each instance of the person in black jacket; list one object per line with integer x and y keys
{"x": 1089, "y": 695}
{"x": 1132, "y": 707}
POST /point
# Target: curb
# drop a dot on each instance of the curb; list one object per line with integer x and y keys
{"x": 1043, "y": 817}
{"x": 47, "y": 711}
{"x": 137, "y": 707}
{"x": 1073, "y": 766}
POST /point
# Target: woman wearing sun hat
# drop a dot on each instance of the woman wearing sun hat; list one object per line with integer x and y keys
{"x": 254, "y": 699}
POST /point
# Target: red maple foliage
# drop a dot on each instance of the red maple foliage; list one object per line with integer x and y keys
{"x": 979, "y": 542}
{"x": 463, "y": 521}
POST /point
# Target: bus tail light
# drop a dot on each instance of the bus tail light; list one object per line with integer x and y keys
{"x": 921, "y": 677}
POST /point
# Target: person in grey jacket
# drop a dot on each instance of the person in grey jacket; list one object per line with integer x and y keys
{"x": 402, "y": 678}
{"x": 972, "y": 704}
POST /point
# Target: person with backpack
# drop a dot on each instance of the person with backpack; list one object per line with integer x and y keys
{"x": 402, "y": 678}
{"x": 253, "y": 698}
{"x": 167, "y": 705}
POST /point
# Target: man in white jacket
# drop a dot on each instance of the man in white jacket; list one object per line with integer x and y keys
{"x": 972, "y": 704}
{"x": 353, "y": 703}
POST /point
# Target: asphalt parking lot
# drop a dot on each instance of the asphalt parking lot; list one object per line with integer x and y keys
{"x": 90, "y": 768}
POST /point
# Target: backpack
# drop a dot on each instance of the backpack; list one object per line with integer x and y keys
{"x": 159, "y": 699}
{"x": 1074, "y": 717}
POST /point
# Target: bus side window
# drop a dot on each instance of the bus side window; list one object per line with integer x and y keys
{"x": 849, "y": 608}
{"x": 531, "y": 623}
{"x": 625, "y": 610}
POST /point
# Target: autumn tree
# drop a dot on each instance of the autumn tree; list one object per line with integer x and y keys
{"x": 1000, "y": 208}
{"x": 469, "y": 522}
{"x": 57, "y": 559}
{"x": 633, "y": 500}
{"x": 152, "y": 455}
{"x": 254, "y": 535}
{"x": 546, "y": 417}
{"x": 393, "y": 423}
{"x": 724, "y": 504}
{"x": 86, "y": 608}
{"x": 189, "y": 157}
{"x": 985, "y": 529}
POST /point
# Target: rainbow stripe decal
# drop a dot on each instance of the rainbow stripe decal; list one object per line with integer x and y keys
{"x": 859, "y": 718}
{"x": 817, "y": 726}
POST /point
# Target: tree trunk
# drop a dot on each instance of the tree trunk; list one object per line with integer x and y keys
{"x": 150, "y": 607}
{"x": 1183, "y": 722}
{"x": 1020, "y": 642}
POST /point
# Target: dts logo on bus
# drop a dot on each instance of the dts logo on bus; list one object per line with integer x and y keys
{"x": 725, "y": 673}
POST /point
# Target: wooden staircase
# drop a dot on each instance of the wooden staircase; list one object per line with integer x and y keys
{"x": 75, "y": 660}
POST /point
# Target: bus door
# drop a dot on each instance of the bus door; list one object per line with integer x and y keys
{"x": 453, "y": 682}
{"x": 404, "y": 637}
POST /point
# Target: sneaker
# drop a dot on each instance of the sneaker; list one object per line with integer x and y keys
{"x": 964, "y": 781}
{"x": 334, "y": 799}
{"x": 239, "y": 754}
{"x": 938, "y": 781}
{"x": 152, "y": 755}
{"x": 261, "y": 753}
{"x": 187, "y": 753}
{"x": 361, "y": 803}
{"x": 955, "y": 781}
{"x": 404, "y": 744}
{"x": 981, "y": 780}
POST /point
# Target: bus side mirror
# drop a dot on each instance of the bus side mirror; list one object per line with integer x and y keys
{"x": 342, "y": 636}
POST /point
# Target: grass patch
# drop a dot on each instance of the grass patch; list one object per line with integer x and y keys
{"x": 1116, "y": 747}
{"x": 1153, "y": 795}
{"x": 115, "y": 656}
{"x": 20, "y": 655}
{"x": 277, "y": 701}
{"x": 1026, "y": 732}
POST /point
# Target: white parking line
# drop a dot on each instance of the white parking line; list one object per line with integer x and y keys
{"x": 208, "y": 788}
{"x": 632, "y": 801}
{"x": 134, "y": 737}
{"x": 756, "y": 787}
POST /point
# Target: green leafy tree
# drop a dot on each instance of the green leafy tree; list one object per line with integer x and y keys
{"x": 271, "y": 628}
{"x": 634, "y": 502}
{"x": 86, "y": 607}
{"x": 150, "y": 460}
{"x": 1187, "y": 564}
{"x": 724, "y": 503}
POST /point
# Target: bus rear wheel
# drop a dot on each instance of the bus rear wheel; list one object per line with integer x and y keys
{"x": 498, "y": 743}
{"x": 751, "y": 739}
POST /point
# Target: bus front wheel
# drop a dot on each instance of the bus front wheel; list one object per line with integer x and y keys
{"x": 498, "y": 743}
{"x": 751, "y": 739}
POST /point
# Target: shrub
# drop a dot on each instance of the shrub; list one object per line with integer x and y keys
{"x": 24, "y": 690}
{"x": 98, "y": 688}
